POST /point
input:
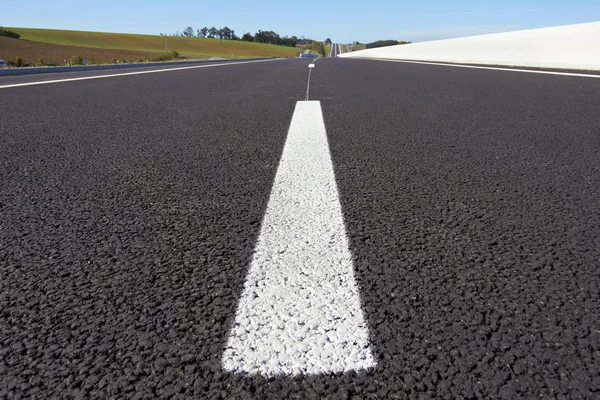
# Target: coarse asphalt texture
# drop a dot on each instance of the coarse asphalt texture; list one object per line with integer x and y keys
{"x": 130, "y": 208}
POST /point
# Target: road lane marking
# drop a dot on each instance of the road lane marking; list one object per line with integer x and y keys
{"x": 531, "y": 71}
{"x": 300, "y": 311}
{"x": 131, "y": 73}
{"x": 310, "y": 67}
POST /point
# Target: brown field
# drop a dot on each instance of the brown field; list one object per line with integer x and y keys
{"x": 30, "y": 52}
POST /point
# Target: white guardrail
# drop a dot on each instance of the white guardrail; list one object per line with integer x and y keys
{"x": 562, "y": 47}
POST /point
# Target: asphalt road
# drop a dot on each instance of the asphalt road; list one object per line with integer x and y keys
{"x": 131, "y": 206}
{"x": 335, "y": 50}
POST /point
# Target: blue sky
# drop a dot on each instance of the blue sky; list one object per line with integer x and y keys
{"x": 342, "y": 21}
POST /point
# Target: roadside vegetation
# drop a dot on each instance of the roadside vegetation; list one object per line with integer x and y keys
{"x": 379, "y": 43}
{"x": 384, "y": 43}
{"x": 41, "y": 54}
{"x": 56, "y": 47}
{"x": 318, "y": 48}
{"x": 357, "y": 46}
{"x": 9, "y": 34}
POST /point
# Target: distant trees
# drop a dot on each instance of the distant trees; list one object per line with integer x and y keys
{"x": 10, "y": 34}
{"x": 327, "y": 41}
{"x": 227, "y": 33}
{"x": 271, "y": 37}
{"x": 303, "y": 40}
{"x": 384, "y": 43}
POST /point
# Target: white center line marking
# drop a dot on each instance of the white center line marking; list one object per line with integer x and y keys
{"x": 310, "y": 66}
{"x": 84, "y": 78}
{"x": 300, "y": 310}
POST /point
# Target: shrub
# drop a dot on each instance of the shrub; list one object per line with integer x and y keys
{"x": 318, "y": 48}
{"x": 76, "y": 60}
{"x": 163, "y": 58}
{"x": 18, "y": 62}
{"x": 40, "y": 62}
{"x": 384, "y": 43}
{"x": 175, "y": 54}
{"x": 10, "y": 34}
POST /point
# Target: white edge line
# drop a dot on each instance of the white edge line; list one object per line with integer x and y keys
{"x": 531, "y": 71}
{"x": 131, "y": 73}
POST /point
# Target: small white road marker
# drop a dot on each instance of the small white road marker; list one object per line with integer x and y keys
{"x": 300, "y": 311}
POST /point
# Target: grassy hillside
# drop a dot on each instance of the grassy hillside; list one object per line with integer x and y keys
{"x": 31, "y": 52}
{"x": 356, "y": 47}
{"x": 190, "y": 47}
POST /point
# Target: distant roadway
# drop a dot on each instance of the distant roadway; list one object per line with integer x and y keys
{"x": 335, "y": 50}
{"x": 428, "y": 232}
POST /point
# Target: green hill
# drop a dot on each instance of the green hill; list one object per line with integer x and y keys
{"x": 188, "y": 47}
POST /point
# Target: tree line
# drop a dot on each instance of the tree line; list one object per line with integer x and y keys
{"x": 206, "y": 32}
{"x": 10, "y": 34}
{"x": 383, "y": 43}
{"x": 225, "y": 33}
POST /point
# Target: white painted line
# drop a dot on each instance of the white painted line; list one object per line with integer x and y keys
{"x": 531, "y": 71}
{"x": 300, "y": 311}
{"x": 130, "y": 73}
{"x": 308, "y": 83}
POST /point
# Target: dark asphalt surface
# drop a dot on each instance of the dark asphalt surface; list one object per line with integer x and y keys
{"x": 128, "y": 68}
{"x": 130, "y": 208}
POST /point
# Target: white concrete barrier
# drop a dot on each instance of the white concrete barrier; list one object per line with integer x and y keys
{"x": 562, "y": 47}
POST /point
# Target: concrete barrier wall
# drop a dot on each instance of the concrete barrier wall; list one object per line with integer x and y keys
{"x": 48, "y": 70}
{"x": 562, "y": 47}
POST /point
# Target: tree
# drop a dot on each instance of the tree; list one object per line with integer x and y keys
{"x": 212, "y": 32}
{"x": 327, "y": 41}
{"x": 204, "y": 32}
{"x": 188, "y": 32}
{"x": 248, "y": 37}
{"x": 266, "y": 37}
{"x": 226, "y": 33}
